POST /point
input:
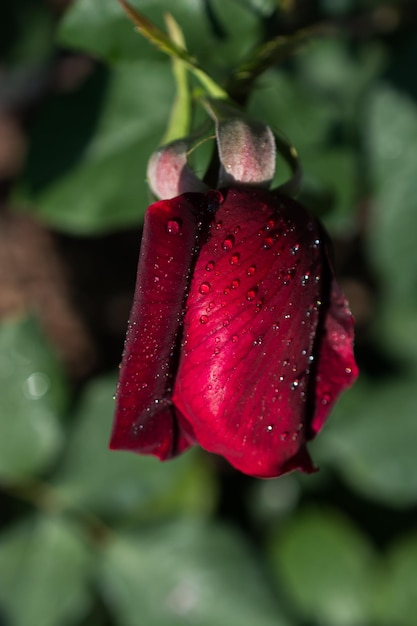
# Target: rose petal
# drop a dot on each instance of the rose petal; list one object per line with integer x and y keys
{"x": 145, "y": 419}
{"x": 249, "y": 333}
{"x": 336, "y": 366}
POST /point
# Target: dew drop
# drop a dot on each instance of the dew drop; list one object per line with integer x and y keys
{"x": 269, "y": 225}
{"x": 269, "y": 428}
{"x": 216, "y": 350}
{"x": 268, "y": 243}
{"x": 235, "y": 283}
{"x": 210, "y": 266}
{"x": 275, "y": 326}
{"x": 283, "y": 436}
{"x": 251, "y": 293}
{"x": 235, "y": 338}
{"x": 234, "y": 259}
{"x": 258, "y": 341}
{"x": 236, "y": 230}
{"x": 295, "y": 249}
{"x": 226, "y": 291}
{"x": 219, "y": 225}
{"x": 325, "y": 399}
{"x": 310, "y": 358}
{"x": 295, "y": 384}
{"x": 288, "y": 275}
{"x": 251, "y": 270}
{"x": 204, "y": 288}
{"x": 203, "y": 319}
{"x": 348, "y": 370}
{"x": 226, "y": 323}
{"x": 315, "y": 243}
{"x": 174, "y": 227}
{"x": 286, "y": 316}
{"x": 228, "y": 243}
{"x": 305, "y": 279}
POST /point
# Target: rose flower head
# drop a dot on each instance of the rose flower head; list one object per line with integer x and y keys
{"x": 240, "y": 339}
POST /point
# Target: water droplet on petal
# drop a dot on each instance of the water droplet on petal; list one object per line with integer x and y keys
{"x": 235, "y": 283}
{"x": 268, "y": 243}
{"x": 235, "y": 338}
{"x": 325, "y": 399}
{"x": 204, "y": 288}
{"x": 174, "y": 227}
{"x": 234, "y": 259}
{"x": 295, "y": 249}
{"x": 203, "y": 319}
{"x": 251, "y": 270}
{"x": 219, "y": 225}
{"x": 251, "y": 293}
{"x": 269, "y": 428}
{"x": 210, "y": 266}
{"x": 283, "y": 436}
{"x": 295, "y": 384}
{"x": 228, "y": 243}
{"x": 305, "y": 279}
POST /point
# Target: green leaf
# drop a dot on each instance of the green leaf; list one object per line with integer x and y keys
{"x": 120, "y": 484}
{"x": 390, "y": 128}
{"x": 284, "y": 103}
{"x": 32, "y": 400}
{"x": 103, "y": 188}
{"x": 326, "y": 567}
{"x": 187, "y": 573}
{"x": 44, "y": 572}
{"x": 396, "y": 598}
{"x": 330, "y": 67}
{"x": 371, "y": 439}
{"x": 104, "y": 30}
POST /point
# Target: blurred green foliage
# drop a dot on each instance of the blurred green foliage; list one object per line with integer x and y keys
{"x": 105, "y": 538}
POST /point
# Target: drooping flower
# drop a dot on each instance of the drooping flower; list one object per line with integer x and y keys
{"x": 240, "y": 339}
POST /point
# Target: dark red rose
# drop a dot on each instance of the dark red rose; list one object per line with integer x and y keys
{"x": 240, "y": 339}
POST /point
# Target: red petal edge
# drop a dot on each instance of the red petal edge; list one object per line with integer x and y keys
{"x": 144, "y": 418}
{"x": 336, "y": 365}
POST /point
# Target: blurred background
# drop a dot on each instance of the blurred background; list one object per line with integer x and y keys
{"x": 92, "y": 537}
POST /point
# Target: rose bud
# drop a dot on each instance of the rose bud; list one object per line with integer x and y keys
{"x": 239, "y": 340}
